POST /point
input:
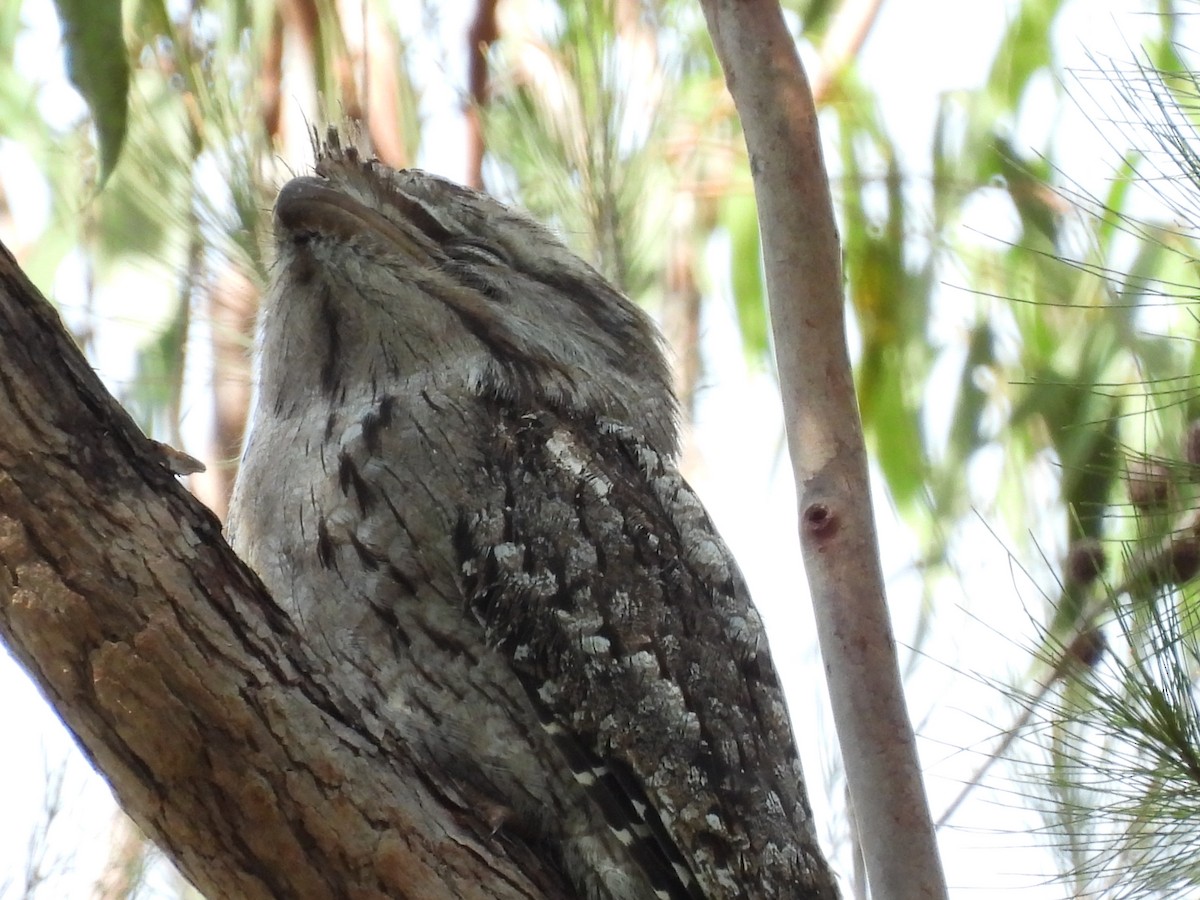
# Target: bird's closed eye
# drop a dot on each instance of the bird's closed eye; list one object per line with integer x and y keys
{"x": 477, "y": 250}
{"x": 478, "y": 265}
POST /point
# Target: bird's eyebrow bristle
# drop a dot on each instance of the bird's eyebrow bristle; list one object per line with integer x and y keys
{"x": 346, "y": 165}
{"x": 416, "y": 211}
{"x": 330, "y": 147}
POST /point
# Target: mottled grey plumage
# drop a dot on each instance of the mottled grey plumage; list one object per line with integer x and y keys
{"x": 460, "y": 478}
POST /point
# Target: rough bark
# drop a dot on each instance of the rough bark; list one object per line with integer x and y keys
{"x": 258, "y": 772}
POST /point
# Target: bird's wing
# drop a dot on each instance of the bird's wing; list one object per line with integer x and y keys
{"x": 595, "y": 569}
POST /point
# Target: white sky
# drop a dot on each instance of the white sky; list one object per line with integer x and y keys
{"x": 919, "y": 49}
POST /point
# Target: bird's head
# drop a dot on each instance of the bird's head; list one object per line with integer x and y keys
{"x": 384, "y": 275}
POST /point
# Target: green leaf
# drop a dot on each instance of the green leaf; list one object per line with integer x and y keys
{"x": 98, "y": 66}
{"x": 739, "y": 214}
{"x": 966, "y": 432}
{"x": 1024, "y": 50}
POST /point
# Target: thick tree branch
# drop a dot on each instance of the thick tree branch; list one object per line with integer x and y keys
{"x": 260, "y": 771}
{"x": 841, "y": 557}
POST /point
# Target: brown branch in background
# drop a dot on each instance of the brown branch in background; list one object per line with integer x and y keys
{"x": 681, "y": 317}
{"x": 847, "y": 32}
{"x": 270, "y": 78}
{"x": 481, "y": 35}
{"x": 802, "y": 258}
{"x": 348, "y": 89}
{"x": 681, "y": 308}
{"x": 381, "y": 90}
{"x": 303, "y": 19}
{"x": 301, "y": 49}
{"x": 128, "y": 854}
{"x": 364, "y": 63}
{"x": 232, "y": 306}
{"x": 703, "y": 169}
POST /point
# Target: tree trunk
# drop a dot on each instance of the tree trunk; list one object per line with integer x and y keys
{"x": 221, "y": 732}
